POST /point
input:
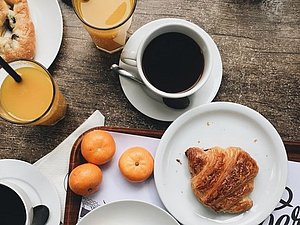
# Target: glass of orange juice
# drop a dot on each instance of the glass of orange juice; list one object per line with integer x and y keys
{"x": 36, "y": 100}
{"x": 107, "y": 21}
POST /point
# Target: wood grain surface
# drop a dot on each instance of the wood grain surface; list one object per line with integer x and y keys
{"x": 259, "y": 42}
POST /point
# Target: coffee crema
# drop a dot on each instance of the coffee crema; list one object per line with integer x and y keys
{"x": 12, "y": 209}
{"x": 173, "y": 62}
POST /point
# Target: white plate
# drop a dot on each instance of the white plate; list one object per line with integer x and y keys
{"x": 223, "y": 124}
{"x": 154, "y": 108}
{"x": 47, "y": 19}
{"x": 128, "y": 212}
{"x": 34, "y": 183}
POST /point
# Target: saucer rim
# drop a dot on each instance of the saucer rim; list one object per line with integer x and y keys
{"x": 161, "y": 111}
{"x": 36, "y": 182}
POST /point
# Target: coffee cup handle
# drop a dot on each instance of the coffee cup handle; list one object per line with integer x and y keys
{"x": 129, "y": 58}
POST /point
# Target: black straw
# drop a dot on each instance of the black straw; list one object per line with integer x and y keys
{"x": 10, "y": 70}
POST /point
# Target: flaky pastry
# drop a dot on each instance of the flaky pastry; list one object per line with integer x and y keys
{"x": 222, "y": 179}
{"x": 17, "y": 31}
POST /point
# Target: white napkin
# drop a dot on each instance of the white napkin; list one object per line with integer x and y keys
{"x": 55, "y": 165}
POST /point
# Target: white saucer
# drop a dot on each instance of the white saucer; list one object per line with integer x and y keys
{"x": 35, "y": 184}
{"x": 154, "y": 108}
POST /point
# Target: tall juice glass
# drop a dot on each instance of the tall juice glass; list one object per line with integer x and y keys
{"x": 36, "y": 100}
{"x": 107, "y": 21}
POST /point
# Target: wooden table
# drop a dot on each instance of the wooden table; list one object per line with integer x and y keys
{"x": 259, "y": 42}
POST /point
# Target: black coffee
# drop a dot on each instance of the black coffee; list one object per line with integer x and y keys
{"x": 173, "y": 62}
{"x": 12, "y": 210}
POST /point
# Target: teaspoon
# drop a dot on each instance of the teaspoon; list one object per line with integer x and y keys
{"x": 118, "y": 70}
{"x": 175, "y": 103}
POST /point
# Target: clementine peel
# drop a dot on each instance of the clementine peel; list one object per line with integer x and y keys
{"x": 85, "y": 179}
{"x": 136, "y": 164}
{"x": 98, "y": 147}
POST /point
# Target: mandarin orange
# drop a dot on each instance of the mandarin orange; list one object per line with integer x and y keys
{"x": 85, "y": 179}
{"x": 136, "y": 164}
{"x": 98, "y": 146}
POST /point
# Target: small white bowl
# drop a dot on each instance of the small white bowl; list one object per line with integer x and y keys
{"x": 128, "y": 212}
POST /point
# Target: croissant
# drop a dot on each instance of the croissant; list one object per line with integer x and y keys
{"x": 222, "y": 179}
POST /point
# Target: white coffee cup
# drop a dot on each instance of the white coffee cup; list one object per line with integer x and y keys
{"x": 26, "y": 203}
{"x": 134, "y": 57}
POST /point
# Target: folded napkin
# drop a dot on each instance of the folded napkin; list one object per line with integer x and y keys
{"x": 55, "y": 165}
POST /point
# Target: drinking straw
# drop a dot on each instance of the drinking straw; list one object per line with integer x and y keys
{"x": 10, "y": 70}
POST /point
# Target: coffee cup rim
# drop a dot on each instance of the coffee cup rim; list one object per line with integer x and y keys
{"x": 205, "y": 47}
{"x": 24, "y": 198}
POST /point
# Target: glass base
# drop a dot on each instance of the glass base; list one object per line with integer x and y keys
{"x": 110, "y": 51}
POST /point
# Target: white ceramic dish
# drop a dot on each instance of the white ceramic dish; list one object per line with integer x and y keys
{"x": 223, "y": 124}
{"x": 154, "y": 108}
{"x": 128, "y": 212}
{"x": 35, "y": 184}
{"x": 47, "y": 19}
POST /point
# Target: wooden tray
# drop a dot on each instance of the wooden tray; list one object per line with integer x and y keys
{"x": 73, "y": 201}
